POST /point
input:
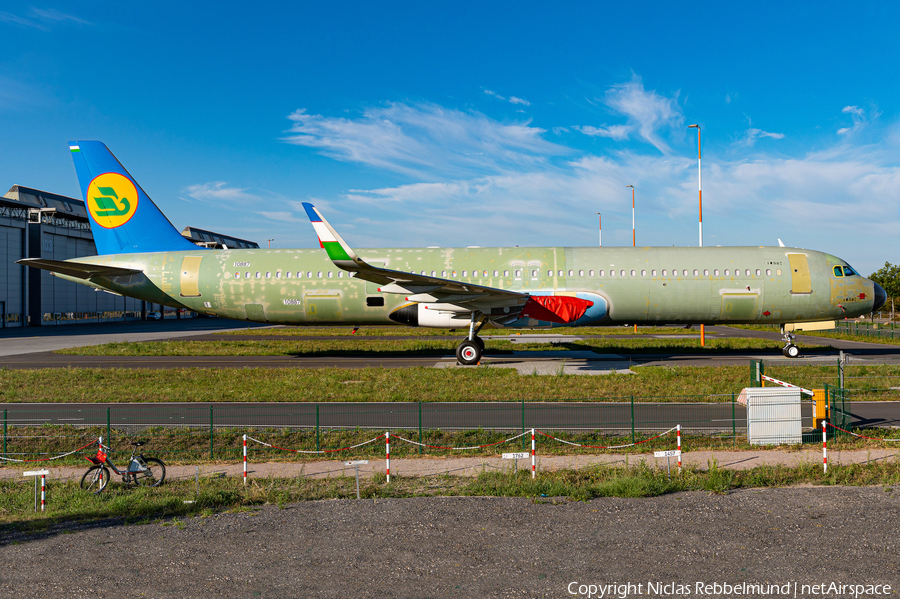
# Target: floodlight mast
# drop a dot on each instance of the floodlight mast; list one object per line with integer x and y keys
{"x": 700, "y": 197}
{"x": 600, "y": 228}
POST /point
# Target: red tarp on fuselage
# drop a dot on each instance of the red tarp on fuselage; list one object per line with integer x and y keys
{"x": 561, "y": 309}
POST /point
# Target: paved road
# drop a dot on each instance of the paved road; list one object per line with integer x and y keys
{"x": 447, "y": 415}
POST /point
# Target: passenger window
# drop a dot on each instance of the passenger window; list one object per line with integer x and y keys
{"x": 580, "y": 273}
{"x": 288, "y": 274}
{"x": 560, "y": 273}
{"x": 464, "y": 273}
{"x": 454, "y": 273}
{"x": 518, "y": 273}
{"x": 838, "y": 271}
{"x": 768, "y": 272}
{"x": 319, "y": 274}
{"x": 664, "y": 272}
{"x": 505, "y": 273}
{"x": 237, "y": 275}
{"x": 653, "y": 272}
{"x": 278, "y": 274}
{"x": 612, "y": 273}
{"x": 550, "y": 273}
{"x": 643, "y": 273}
{"x": 685, "y": 272}
{"x": 757, "y": 272}
{"x": 778, "y": 271}
{"x": 534, "y": 273}
{"x": 726, "y": 272}
{"x": 633, "y": 273}
{"x": 309, "y": 274}
{"x": 696, "y": 273}
{"x": 444, "y": 273}
{"x": 705, "y": 272}
{"x": 716, "y": 272}
{"x": 747, "y": 272}
{"x": 591, "y": 273}
{"x": 622, "y": 273}
{"x": 571, "y": 273}
{"x": 340, "y": 274}
{"x": 268, "y": 275}
{"x": 599, "y": 273}
{"x": 246, "y": 275}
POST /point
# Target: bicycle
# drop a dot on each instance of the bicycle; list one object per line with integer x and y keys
{"x": 141, "y": 471}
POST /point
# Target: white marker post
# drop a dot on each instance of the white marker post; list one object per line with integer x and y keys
{"x": 668, "y": 454}
{"x": 824, "y": 447}
{"x": 356, "y": 464}
{"x": 387, "y": 454}
{"x": 245, "y": 460}
{"x": 43, "y": 492}
{"x": 533, "y": 471}
{"x": 678, "y": 430}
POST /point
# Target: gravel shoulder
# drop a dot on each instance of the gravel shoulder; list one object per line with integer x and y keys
{"x": 472, "y": 547}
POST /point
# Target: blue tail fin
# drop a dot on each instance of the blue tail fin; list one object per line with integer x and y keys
{"x": 124, "y": 220}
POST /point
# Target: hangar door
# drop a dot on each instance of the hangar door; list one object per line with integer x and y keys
{"x": 800, "y": 277}
{"x": 190, "y": 276}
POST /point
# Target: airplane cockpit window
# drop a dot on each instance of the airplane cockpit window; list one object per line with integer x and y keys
{"x": 848, "y": 272}
{"x": 838, "y": 272}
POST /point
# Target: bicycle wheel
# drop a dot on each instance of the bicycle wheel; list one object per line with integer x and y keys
{"x": 95, "y": 479}
{"x": 153, "y": 476}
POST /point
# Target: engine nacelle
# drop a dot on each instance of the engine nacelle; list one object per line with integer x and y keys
{"x": 437, "y": 316}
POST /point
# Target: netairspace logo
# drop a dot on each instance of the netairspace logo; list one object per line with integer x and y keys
{"x": 703, "y": 589}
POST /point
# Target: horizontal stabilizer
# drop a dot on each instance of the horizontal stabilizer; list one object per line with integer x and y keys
{"x": 79, "y": 270}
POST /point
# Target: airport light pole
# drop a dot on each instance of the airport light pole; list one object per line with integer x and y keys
{"x": 633, "y": 238}
{"x": 700, "y": 197}
{"x": 600, "y": 228}
{"x": 270, "y": 242}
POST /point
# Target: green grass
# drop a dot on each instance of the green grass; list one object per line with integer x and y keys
{"x": 430, "y": 347}
{"x": 649, "y": 383}
{"x": 67, "y": 505}
{"x": 833, "y": 334}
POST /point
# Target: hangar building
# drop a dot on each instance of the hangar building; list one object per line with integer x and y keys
{"x": 39, "y": 224}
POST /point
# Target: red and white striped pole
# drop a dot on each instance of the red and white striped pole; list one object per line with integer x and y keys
{"x": 533, "y": 471}
{"x": 387, "y": 454}
{"x": 824, "y": 447}
{"x": 245, "y": 460}
{"x": 43, "y": 490}
{"x": 678, "y": 432}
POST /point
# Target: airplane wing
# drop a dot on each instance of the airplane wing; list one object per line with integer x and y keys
{"x": 79, "y": 270}
{"x": 500, "y": 305}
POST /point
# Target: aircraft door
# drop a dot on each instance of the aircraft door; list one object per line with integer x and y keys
{"x": 190, "y": 276}
{"x": 323, "y": 306}
{"x": 737, "y": 307}
{"x": 801, "y": 281}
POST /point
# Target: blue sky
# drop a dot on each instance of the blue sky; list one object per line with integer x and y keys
{"x": 457, "y": 124}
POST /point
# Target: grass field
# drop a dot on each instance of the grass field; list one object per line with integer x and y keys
{"x": 650, "y": 383}
{"x": 166, "y": 505}
{"x": 412, "y": 347}
{"x": 400, "y": 331}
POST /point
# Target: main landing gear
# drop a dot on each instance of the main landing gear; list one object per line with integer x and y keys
{"x": 789, "y": 350}
{"x": 469, "y": 352}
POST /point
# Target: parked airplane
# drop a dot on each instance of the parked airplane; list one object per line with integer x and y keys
{"x": 142, "y": 255}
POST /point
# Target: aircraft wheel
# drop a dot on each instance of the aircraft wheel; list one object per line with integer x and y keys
{"x": 791, "y": 351}
{"x": 468, "y": 353}
{"x": 480, "y": 342}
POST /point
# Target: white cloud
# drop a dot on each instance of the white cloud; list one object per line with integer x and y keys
{"x": 41, "y": 19}
{"x": 218, "y": 191}
{"x": 515, "y": 100}
{"x": 752, "y": 134}
{"x": 858, "y": 115}
{"x": 424, "y": 140}
{"x": 648, "y": 114}
{"x": 511, "y": 99}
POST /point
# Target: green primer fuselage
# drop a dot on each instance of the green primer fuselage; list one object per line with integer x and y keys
{"x": 740, "y": 285}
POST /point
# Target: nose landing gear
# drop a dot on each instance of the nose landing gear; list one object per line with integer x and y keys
{"x": 789, "y": 350}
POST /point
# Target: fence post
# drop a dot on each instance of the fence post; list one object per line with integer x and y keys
{"x": 210, "y": 432}
{"x": 4, "y": 431}
{"x": 523, "y": 423}
{"x": 108, "y": 434}
{"x": 420, "y": 427}
{"x": 632, "y": 418}
{"x": 733, "y": 422}
{"x": 317, "y": 427}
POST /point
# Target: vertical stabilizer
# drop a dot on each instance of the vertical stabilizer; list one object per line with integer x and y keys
{"x": 123, "y": 218}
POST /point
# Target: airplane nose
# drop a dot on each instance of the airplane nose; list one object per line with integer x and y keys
{"x": 880, "y": 297}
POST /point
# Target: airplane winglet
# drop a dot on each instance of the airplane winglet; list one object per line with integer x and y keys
{"x": 337, "y": 249}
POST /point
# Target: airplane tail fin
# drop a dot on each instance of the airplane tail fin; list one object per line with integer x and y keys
{"x": 124, "y": 220}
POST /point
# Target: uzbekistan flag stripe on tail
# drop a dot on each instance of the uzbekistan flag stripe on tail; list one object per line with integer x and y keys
{"x": 327, "y": 239}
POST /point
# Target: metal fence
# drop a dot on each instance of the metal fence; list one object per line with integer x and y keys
{"x": 212, "y": 430}
{"x": 868, "y": 329}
